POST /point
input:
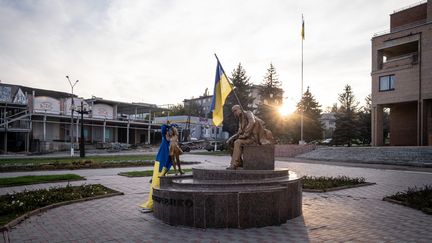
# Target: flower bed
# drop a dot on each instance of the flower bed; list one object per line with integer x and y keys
{"x": 18, "y": 204}
{"x": 323, "y": 184}
{"x": 418, "y": 198}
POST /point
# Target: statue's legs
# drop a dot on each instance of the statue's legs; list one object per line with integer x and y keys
{"x": 236, "y": 158}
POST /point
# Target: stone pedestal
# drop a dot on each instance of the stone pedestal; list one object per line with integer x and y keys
{"x": 258, "y": 157}
{"x": 220, "y": 198}
{"x": 256, "y": 196}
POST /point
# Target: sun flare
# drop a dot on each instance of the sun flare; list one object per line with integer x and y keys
{"x": 287, "y": 109}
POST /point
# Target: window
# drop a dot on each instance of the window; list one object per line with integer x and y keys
{"x": 386, "y": 83}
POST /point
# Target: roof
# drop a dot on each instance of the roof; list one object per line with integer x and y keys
{"x": 40, "y": 92}
{"x": 128, "y": 108}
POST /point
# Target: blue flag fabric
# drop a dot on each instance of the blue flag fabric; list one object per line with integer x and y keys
{"x": 163, "y": 154}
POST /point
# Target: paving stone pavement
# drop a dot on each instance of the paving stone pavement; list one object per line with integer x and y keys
{"x": 351, "y": 215}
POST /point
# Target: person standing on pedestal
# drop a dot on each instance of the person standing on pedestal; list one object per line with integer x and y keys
{"x": 251, "y": 131}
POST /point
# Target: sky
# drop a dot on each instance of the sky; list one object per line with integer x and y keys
{"x": 162, "y": 51}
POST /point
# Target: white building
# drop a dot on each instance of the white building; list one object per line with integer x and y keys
{"x": 200, "y": 128}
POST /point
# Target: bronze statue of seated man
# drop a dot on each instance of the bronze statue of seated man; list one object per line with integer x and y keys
{"x": 251, "y": 131}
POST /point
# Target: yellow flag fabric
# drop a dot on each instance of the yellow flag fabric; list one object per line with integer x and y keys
{"x": 155, "y": 184}
{"x": 303, "y": 29}
{"x": 222, "y": 89}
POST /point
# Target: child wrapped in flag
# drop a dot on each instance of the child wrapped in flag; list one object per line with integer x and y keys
{"x": 161, "y": 167}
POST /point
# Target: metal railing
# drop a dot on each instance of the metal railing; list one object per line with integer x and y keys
{"x": 14, "y": 117}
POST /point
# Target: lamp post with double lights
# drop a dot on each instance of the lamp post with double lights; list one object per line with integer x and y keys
{"x": 72, "y": 111}
{"x": 82, "y": 110}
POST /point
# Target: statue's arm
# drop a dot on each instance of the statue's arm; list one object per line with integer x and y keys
{"x": 232, "y": 138}
{"x": 251, "y": 122}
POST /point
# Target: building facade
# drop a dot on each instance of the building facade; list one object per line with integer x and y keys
{"x": 202, "y": 104}
{"x": 402, "y": 78}
{"x": 195, "y": 128}
{"x": 37, "y": 120}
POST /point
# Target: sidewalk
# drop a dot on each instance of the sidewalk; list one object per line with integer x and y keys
{"x": 356, "y": 214}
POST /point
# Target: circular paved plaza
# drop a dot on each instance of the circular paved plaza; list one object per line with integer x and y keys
{"x": 356, "y": 215}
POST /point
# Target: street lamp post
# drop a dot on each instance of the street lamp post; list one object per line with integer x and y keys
{"x": 82, "y": 111}
{"x": 72, "y": 111}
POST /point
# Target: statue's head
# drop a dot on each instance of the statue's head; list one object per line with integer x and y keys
{"x": 236, "y": 110}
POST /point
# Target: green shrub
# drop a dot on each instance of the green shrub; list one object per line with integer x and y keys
{"x": 324, "y": 183}
{"x": 418, "y": 198}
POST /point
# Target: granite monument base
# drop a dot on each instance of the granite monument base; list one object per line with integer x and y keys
{"x": 219, "y": 198}
{"x": 258, "y": 157}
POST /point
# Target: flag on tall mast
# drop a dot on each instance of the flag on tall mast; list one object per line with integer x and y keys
{"x": 301, "y": 116}
{"x": 303, "y": 29}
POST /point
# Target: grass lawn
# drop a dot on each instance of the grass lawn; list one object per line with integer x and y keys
{"x": 418, "y": 198}
{"x": 94, "y": 159}
{"x": 15, "y": 205}
{"x": 27, "y": 180}
{"x": 217, "y": 153}
{"x": 65, "y": 163}
{"x": 145, "y": 173}
{"x": 325, "y": 183}
{"x": 71, "y": 163}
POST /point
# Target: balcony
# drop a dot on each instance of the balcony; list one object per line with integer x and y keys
{"x": 401, "y": 61}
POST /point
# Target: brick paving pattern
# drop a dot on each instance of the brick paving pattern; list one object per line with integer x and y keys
{"x": 351, "y": 215}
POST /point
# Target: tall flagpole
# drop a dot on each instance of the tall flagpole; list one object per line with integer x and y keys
{"x": 301, "y": 116}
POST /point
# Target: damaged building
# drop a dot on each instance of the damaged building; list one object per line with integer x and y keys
{"x": 38, "y": 120}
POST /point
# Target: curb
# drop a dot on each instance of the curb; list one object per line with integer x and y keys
{"x": 394, "y": 201}
{"x": 21, "y": 218}
{"x": 339, "y": 187}
{"x": 45, "y": 182}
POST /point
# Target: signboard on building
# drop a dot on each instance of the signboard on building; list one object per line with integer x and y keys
{"x": 5, "y": 94}
{"x": 103, "y": 111}
{"x": 20, "y": 98}
{"x": 44, "y": 104}
{"x": 77, "y": 106}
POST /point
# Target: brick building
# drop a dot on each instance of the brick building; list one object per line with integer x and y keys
{"x": 402, "y": 78}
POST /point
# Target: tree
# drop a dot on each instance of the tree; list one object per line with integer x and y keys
{"x": 270, "y": 91}
{"x": 178, "y": 110}
{"x": 271, "y": 96}
{"x": 312, "y": 127}
{"x": 346, "y": 118}
{"x": 242, "y": 88}
{"x": 365, "y": 117}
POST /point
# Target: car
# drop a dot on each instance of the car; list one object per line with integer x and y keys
{"x": 185, "y": 146}
{"x": 219, "y": 146}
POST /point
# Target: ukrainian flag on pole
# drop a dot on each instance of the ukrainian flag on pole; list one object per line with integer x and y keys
{"x": 303, "y": 29}
{"x": 222, "y": 89}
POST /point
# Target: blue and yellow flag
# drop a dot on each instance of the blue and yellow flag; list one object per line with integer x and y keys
{"x": 162, "y": 165}
{"x": 303, "y": 29}
{"x": 222, "y": 89}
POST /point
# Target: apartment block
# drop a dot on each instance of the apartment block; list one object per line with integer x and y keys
{"x": 402, "y": 79}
